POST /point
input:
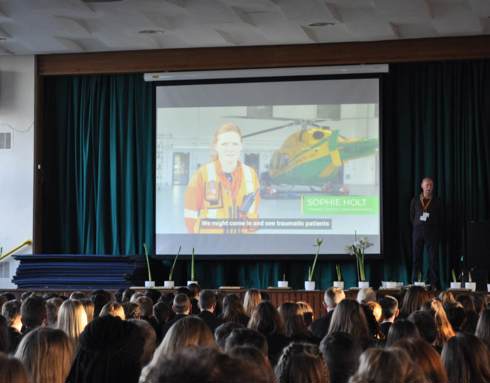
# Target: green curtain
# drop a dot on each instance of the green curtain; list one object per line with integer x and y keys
{"x": 98, "y": 184}
{"x": 436, "y": 123}
{"x": 98, "y": 171}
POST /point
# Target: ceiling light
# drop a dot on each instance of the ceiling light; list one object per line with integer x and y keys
{"x": 321, "y": 24}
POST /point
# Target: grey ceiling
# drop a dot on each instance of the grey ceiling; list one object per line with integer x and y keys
{"x": 65, "y": 26}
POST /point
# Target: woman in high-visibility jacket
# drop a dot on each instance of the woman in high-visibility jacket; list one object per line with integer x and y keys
{"x": 223, "y": 196}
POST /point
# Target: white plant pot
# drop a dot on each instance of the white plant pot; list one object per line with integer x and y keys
{"x": 149, "y": 284}
{"x": 189, "y": 282}
{"x": 470, "y": 286}
{"x": 455, "y": 285}
{"x": 390, "y": 284}
{"x": 283, "y": 284}
{"x": 309, "y": 285}
{"x": 168, "y": 284}
{"x": 418, "y": 283}
{"x": 488, "y": 287}
{"x": 338, "y": 284}
{"x": 363, "y": 284}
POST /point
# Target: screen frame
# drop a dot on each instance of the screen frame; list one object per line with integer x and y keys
{"x": 272, "y": 257}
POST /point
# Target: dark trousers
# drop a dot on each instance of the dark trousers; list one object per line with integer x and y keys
{"x": 429, "y": 237}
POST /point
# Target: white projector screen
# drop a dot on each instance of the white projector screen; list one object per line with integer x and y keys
{"x": 266, "y": 167}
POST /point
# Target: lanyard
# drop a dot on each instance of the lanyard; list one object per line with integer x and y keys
{"x": 425, "y": 206}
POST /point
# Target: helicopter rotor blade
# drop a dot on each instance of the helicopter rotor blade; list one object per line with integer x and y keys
{"x": 269, "y": 130}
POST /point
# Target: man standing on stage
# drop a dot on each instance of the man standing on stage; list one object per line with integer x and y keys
{"x": 426, "y": 214}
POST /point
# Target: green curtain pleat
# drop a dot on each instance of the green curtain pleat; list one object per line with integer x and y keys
{"x": 98, "y": 176}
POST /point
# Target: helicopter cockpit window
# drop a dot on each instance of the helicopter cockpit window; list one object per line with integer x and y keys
{"x": 318, "y": 135}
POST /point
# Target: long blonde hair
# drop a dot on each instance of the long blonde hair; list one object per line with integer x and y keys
{"x": 72, "y": 318}
{"x": 444, "y": 328}
{"x": 186, "y": 332}
{"x": 251, "y": 300}
{"x": 47, "y": 354}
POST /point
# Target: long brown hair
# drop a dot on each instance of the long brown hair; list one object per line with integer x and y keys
{"x": 445, "y": 330}
{"x": 425, "y": 357}
{"x": 293, "y": 320}
{"x": 413, "y": 300}
{"x": 12, "y": 370}
{"x": 349, "y": 317}
{"x": 47, "y": 355}
{"x": 251, "y": 300}
{"x": 266, "y": 319}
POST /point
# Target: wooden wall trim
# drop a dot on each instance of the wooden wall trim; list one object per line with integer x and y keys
{"x": 276, "y": 56}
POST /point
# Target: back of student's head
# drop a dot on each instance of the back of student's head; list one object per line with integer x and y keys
{"x": 113, "y": 308}
{"x": 301, "y": 363}
{"x": 425, "y": 358}
{"x": 33, "y": 312}
{"x": 100, "y": 298}
{"x": 246, "y": 337}
{"x": 182, "y": 304}
{"x": 333, "y": 296}
{"x": 146, "y": 305}
{"x": 11, "y": 311}
{"x": 389, "y": 307}
{"x": 466, "y": 359}
{"x": 401, "y": 329}
{"x": 153, "y": 294}
{"x": 251, "y": 300}
{"x": 47, "y": 354}
{"x": 12, "y": 370}
{"x": 233, "y": 310}
{"x": 349, "y": 317}
{"x": 52, "y": 309}
{"x": 162, "y": 312}
{"x": 255, "y": 360}
{"x": 194, "y": 290}
{"x": 341, "y": 353}
{"x": 149, "y": 335}
{"x": 187, "y": 332}
{"x": 366, "y": 294}
{"x": 109, "y": 350}
{"x": 202, "y": 365}
{"x": 294, "y": 324}
{"x": 388, "y": 365}
{"x": 455, "y": 315}
{"x": 266, "y": 319}
{"x": 207, "y": 299}
{"x": 223, "y": 331}
{"x": 132, "y": 310}
{"x": 413, "y": 300}
{"x": 89, "y": 307}
{"x": 72, "y": 318}
{"x": 426, "y": 325}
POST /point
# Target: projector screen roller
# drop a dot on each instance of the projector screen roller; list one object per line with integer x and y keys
{"x": 265, "y": 168}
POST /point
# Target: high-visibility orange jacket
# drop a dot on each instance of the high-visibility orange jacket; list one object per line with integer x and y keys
{"x": 211, "y": 195}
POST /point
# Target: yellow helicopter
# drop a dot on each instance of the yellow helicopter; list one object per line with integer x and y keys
{"x": 314, "y": 155}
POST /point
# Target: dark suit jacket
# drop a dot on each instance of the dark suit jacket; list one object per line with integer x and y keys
{"x": 210, "y": 319}
{"x": 319, "y": 327}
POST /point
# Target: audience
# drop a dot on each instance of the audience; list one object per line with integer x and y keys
{"x": 119, "y": 347}
{"x": 306, "y": 310}
{"x": 47, "y": 355}
{"x": 365, "y": 295}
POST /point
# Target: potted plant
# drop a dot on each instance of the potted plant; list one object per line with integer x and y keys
{"x": 150, "y": 283}
{"x": 357, "y": 249}
{"x": 419, "y": 281}
{"x": 340, "y": 280}
{"x": 310, "y": 283}
{"x": 283, "y": 284}
{"x": 470, "y": 284}
{"x": 169, "y": 283}
{"x": 193, "y": 269}
{"x": 454, "y": 284}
